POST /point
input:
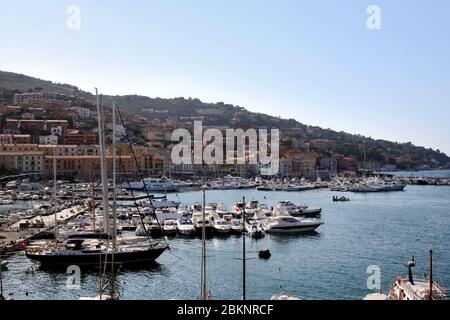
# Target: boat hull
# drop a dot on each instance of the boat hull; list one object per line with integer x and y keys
{"x": 67, "y": 258}
{"x": 292, "y": 230}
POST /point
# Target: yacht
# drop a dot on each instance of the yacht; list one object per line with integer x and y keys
{"x": 307, "y": 212}
{"x": 221, "y": 210}
{"x": 301, "y": 210}
{"x": 236, "y": 226}
{"x": 251, "y": 207}
{"x": 152, "y": 184}
{"x": 290, "y": 206}
{"x": 185, "y": 227}
{"x": 87, "y": 253}
{"x": 284, "y": 223}
{"x": 197, "y": 220}
{"x": 222, "y": 227}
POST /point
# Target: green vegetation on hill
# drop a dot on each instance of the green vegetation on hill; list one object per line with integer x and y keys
{"x": 405, "y": 155}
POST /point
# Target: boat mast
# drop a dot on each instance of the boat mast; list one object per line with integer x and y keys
{"x": 1, "y": 278}
{"x": 114, "y": 211}
{"x": 431, "y": 275}
{"x": 203, "y": 275}
{"x": 244, "y": 265}
{"x": 93, "y": 203}
{"x": 103, "y": 164}
{"x": 54, "y": 194}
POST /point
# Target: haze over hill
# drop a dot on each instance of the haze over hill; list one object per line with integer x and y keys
{"x": 226, "y": 115}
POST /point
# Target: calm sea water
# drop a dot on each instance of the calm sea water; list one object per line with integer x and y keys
{"x": 383, "y": 229}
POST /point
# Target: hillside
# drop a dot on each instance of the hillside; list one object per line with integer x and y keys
{"x": 405, "y": 155}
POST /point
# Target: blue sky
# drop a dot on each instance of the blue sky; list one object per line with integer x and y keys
{"x": 314, "y": 61}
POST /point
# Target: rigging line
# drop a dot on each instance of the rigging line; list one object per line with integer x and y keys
{"x": 134, "y": 199}
{"x": 137, "y": 165}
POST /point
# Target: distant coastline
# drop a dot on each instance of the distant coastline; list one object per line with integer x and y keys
{"x": 438, "y": 173}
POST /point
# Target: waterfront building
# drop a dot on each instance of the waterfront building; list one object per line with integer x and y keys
{"x": 53, "y": 126}
{"x": 349, "y": 163}
{"x": 14, "y": 138}
{"x": 78, "y": 137}
{"x": 24, "y": 161}
{"x": 42, "y": 99}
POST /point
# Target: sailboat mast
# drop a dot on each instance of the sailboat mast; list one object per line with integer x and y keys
{"x": 54, "y": 194}
{"x": 114, "y": 209}
{"x": 203, "y": 275}
{"x": 103, "y": 164}
{"x": 430, "y": 276}
{"x": 244, "y": 264}
{"x": 93, "y": 205}
{"x": 1, "y": 279}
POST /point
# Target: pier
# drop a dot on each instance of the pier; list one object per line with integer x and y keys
{"x": 13, "y": 236}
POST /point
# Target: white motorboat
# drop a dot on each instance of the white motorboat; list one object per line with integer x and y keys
{"x": 264, "y": 209}
{"x": 236, "y": 226}
{"x": 289, "y": 206}
{"x": 254, "y": 230}
{"x": 222, "y": 210}
{"x": 185, "y": 227}
{"x": 5, "y": 202}
{"x": 170, "y": 227}
{"x": 251, "y": 207}
{"x": 152, "y": 184}
{"x": 197, "y": 220}
{"x": 221, "y": 226}
{"x": 282, "y": 222}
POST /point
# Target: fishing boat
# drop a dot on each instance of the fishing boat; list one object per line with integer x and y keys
{"x": 415, "y": 288}
{"x": 185, "y": 227}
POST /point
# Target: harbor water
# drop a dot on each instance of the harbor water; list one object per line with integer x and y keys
{"x": 376, "y": 229}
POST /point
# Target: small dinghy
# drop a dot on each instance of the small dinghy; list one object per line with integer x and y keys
{"x": 264, "y": 254}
